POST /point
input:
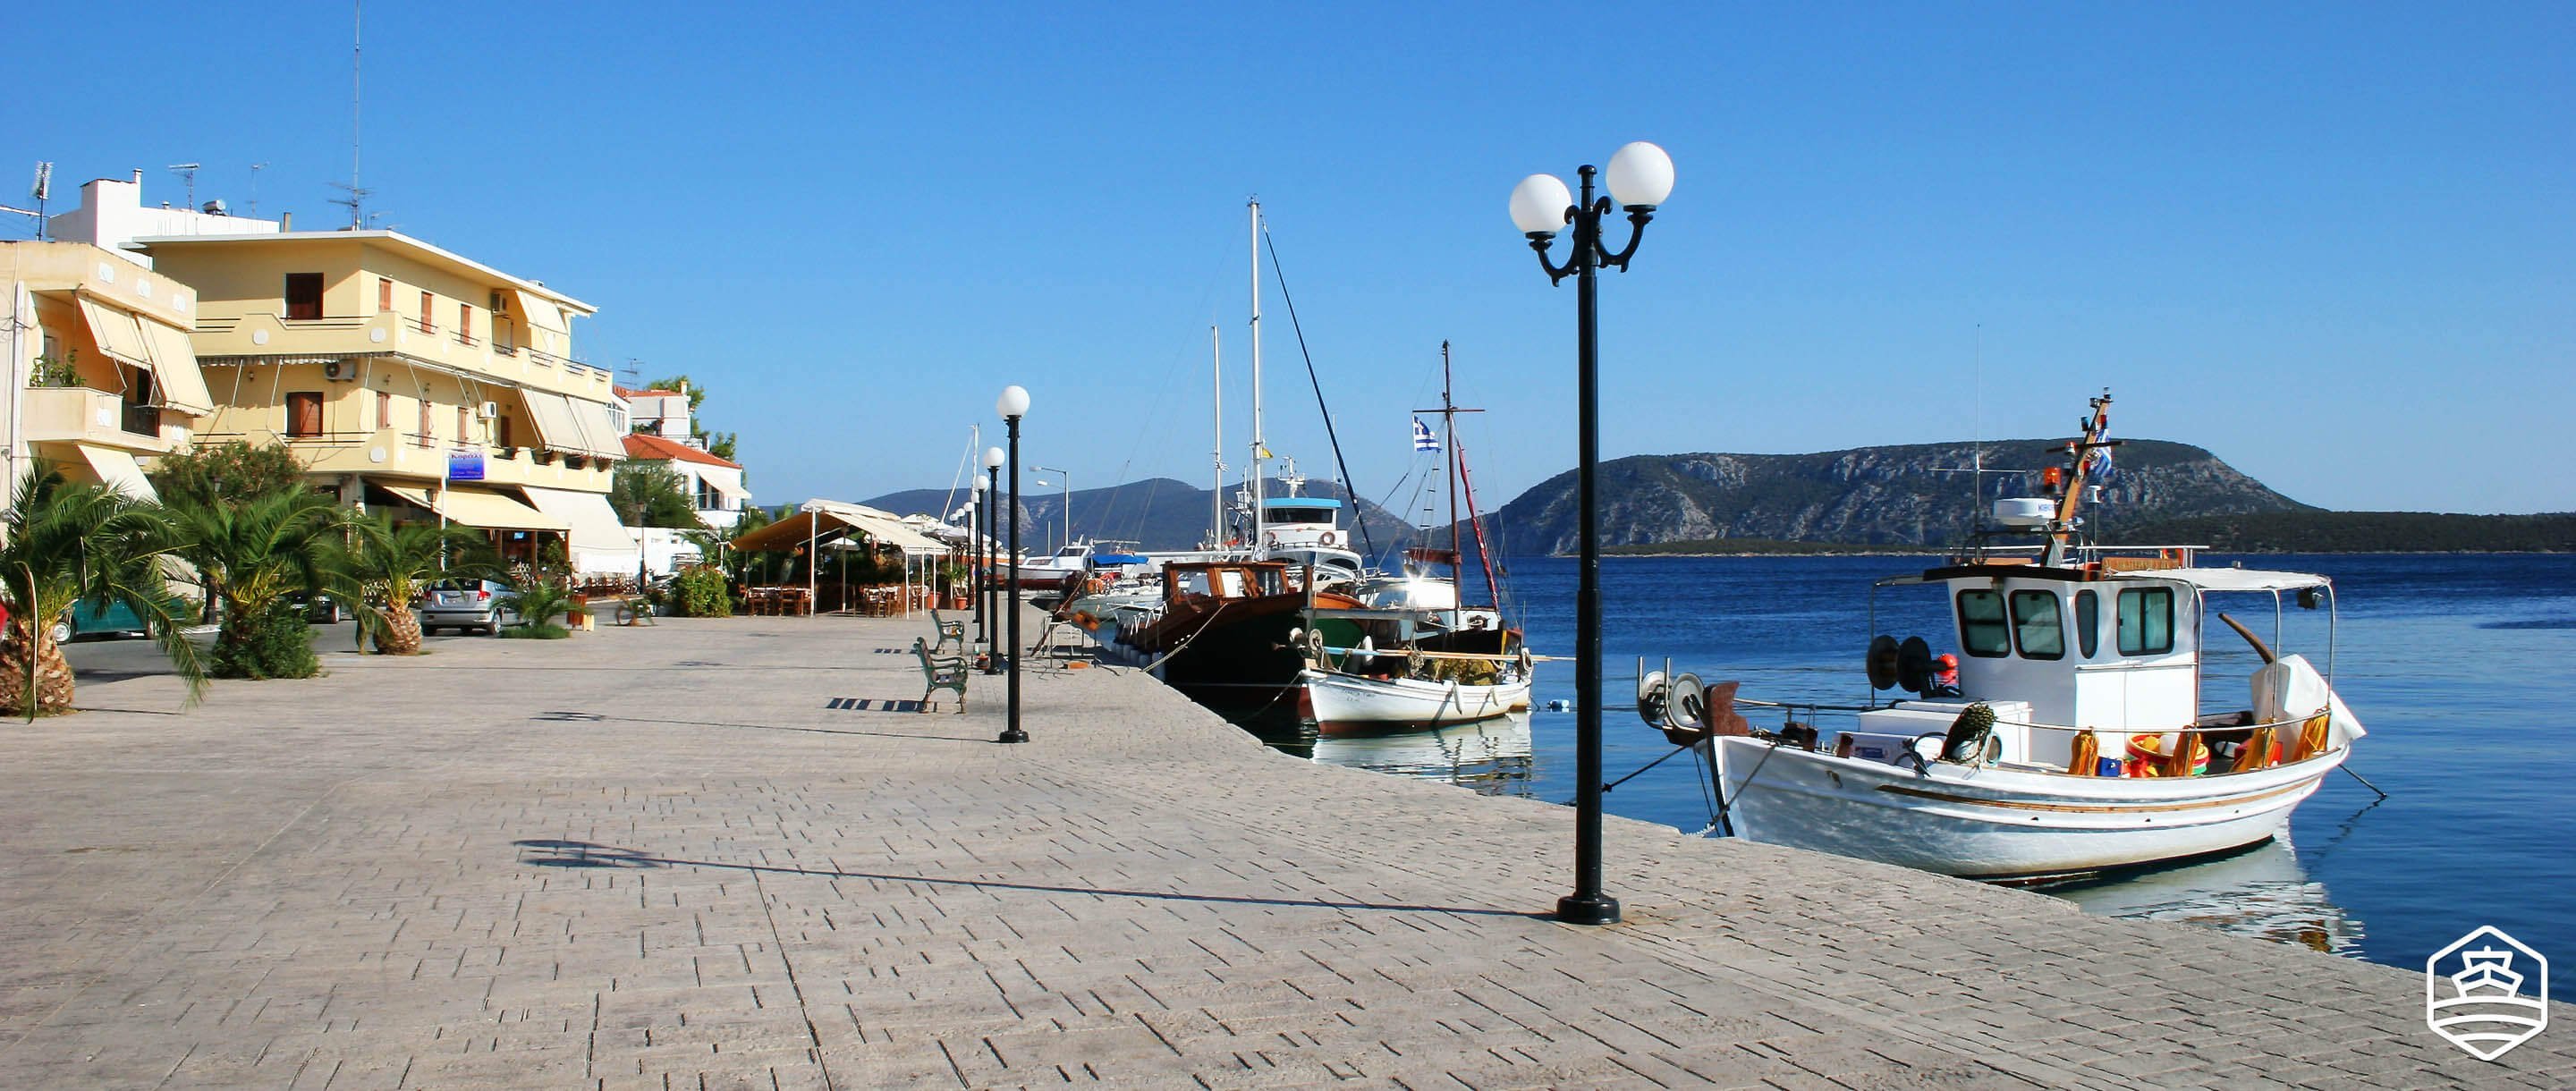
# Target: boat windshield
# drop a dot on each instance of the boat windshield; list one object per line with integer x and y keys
{"x": 1298, "y": 516}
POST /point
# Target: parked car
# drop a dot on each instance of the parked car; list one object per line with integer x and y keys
{"x": 319, "y": 608}
{"x": 468, "y": 604}
{"x": 114, "y": 619}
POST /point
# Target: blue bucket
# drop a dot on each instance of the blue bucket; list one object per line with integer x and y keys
{"x": 2110, "y": 767}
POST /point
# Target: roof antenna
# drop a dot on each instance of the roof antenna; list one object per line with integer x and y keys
{"x": 188, "y": 171}
{"x": 255, "y": 168}
{"x": 357, "y": 199}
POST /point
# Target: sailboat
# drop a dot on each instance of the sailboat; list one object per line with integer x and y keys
{"x": 1415, "y": 657}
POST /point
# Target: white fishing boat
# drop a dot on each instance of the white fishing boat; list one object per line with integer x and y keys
{"x": 2073, "y": 738}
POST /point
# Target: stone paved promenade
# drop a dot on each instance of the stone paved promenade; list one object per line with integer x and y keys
{"x": 658, "y": 858}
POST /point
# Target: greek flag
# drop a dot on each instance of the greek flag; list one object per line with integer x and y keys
{"x": 2097, "y": 462}
{"x": 1423, "y": 440}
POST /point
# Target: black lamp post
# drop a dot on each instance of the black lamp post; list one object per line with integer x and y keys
{"x": 984, "y": 595}
{"x": 1640, "y": 177}
{"x": 976, "y": 530}
{"x": 1013, "y": 405}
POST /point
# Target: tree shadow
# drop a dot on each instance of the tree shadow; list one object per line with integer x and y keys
{"x": 584, "y": 854}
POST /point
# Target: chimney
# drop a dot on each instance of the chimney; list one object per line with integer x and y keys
{"x": 684, "y": 386}
{"x": 138, "y": 176}
{"x": 286, "y": 221}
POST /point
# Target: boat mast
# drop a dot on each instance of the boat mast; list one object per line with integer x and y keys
{"x": 1216, "y": 499}
{"x": 2080, "y": 451}
{"x": 1457, "y": 472}
{"x": 1253, "y": 482}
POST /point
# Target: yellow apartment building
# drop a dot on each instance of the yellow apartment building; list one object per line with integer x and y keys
{"x": 101, "y": 374}
{"x": 406, "y": 377}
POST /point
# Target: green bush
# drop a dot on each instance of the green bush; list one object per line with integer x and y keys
{"x": 699, "y": 591}
{"x": 547, "y": 631}
{"x": 276, "y": 644}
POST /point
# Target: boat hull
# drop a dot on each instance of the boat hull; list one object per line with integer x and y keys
{"x": 1344, "y": 705}
{"x": 1997, "y": 823}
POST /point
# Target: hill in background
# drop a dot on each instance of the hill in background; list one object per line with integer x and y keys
{"x": 1911, "y": 495}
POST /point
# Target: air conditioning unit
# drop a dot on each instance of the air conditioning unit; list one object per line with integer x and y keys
{"x": 340, "y": 371}
{"x": 490, "y": 411}
{"x": 500, "y": 302}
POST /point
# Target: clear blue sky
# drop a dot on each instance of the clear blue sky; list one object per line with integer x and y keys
{"x": 2335, "y": 244}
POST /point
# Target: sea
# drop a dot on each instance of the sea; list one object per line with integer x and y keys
{"x": 2461, "y": 666}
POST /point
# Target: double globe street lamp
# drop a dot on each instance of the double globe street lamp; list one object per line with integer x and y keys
{"x": 1640, "y": 177}
{"x": 1013, "y": 404}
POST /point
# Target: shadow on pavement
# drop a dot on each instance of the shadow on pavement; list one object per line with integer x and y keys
{"x": 562, "y": 716}
{"x": 584, "y": 854}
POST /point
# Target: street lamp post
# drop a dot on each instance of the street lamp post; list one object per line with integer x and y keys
{"x": 992, "y": 587}
{"x": 1014, "y": 404}
{"x": 1640, "y": 177}
{"x": 1066, "y": 479}
{"x": 977, "y": 529}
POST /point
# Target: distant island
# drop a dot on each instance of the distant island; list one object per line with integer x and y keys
{"x": 1911, "y": 498}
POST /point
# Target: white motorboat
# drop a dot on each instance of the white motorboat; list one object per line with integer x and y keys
{"x": 1368, "y": 673}
{"x": 2072, "y": 740}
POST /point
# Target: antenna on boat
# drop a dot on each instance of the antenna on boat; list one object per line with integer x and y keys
{"x": 1252, "y": 479}
{"x": 1216, "y": 499}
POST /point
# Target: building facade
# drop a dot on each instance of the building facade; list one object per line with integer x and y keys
{"x": 102, "y": 376}
{"x": 407, "y": 377}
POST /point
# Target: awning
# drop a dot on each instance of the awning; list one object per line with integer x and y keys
{"x": 482, "y": 508}
{"x": 116, "y": 332}
{"x": 175, "y": 364}
{"x": 831, "y": 520}
{"x": 599, "y": 542}
{"x": 729, "y": 489}
{"x": 536, "y": 310}
{"x": 118, "y": 469}
{"x": 598, "y": 428}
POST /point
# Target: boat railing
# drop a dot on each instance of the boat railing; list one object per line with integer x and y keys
{"x": 2112, "y": 741}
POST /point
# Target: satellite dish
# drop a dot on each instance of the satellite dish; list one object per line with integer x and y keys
{"x": 1688, "y": 705}
{"x": 1650, "y": 697}
{"x": 1882, "y": 661}
{"x": 1914, "y": 665}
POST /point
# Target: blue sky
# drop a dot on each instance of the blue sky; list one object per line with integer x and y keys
{"x": 2335, "y": 244}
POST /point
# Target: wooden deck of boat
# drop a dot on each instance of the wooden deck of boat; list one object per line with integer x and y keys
{"x": 705, "y": 854}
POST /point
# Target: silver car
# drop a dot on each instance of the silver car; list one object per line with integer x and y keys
{"x": 480, "y": 605}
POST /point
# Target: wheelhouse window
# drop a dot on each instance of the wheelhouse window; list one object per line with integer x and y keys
{"x": 1981, "y": 624}
{"x": 2038, "y": 626}
{"x": 303, "y": 296}
{"x": 2146, "y": 620}
{"x": 304, "y": 414}
{"x": 1297, "y": 516}
{"x": 2088, "y": 623}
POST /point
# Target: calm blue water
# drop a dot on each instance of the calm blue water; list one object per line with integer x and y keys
{"x": 2460, "y": 666}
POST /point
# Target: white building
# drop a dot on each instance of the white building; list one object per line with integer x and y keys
{"x": 662, "y": 436}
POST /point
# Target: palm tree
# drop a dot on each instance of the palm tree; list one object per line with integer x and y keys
{"x": 75, "y": 543}
{"x": 381, "y": 567}
{"x": 252, "y": 552}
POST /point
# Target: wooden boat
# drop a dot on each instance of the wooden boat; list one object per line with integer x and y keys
{"x": 2074, "y": 741}
{"x": 1223, "y": 634}
{"x": 1366, "y": 673}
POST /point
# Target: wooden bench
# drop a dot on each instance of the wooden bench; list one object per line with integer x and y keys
{"x": 952, "y": 634}
{"x": 940, "y": 672}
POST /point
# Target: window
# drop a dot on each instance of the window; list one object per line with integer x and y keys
{"x": 465, "y": 323}
{"x": 384, "y": 409}
{"x": 1981, "y": 624}
{"x": 304, "y": 414}
{"x": 2088, "y": 622}
{"x": 425, "y": 432}
{"x": 384, "y": 294}
{"x": 427, "y": 324}
{"x": 501, "y": 431}
{"x": 2038, "y": 626}
{"x": 2146, "y": 621}
{"x": 303, "y": 296}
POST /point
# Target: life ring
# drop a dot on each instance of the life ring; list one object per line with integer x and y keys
{"x": 1327, "y": 538}
{"x": 1270, "y": 539}
{"x": 1476, "y": 622}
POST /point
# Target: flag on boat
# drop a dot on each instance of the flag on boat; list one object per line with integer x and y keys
{"x": 2097, "y": 462}
{"x": 1423, "y": 440}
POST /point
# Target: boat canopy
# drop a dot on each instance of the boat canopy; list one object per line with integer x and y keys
{"x": 1301, "y": 502}
{"x": 2231, "y": 579}
{"x": 1120, "y": 558}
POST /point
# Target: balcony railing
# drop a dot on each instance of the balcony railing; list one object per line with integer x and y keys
{"x": 142, "y": 420}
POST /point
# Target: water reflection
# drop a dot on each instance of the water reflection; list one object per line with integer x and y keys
{"x": 1491, "y": 757}
{"x": 2261, "y": 892}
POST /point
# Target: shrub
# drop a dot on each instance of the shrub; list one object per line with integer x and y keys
{"x": 278, "y": 643}
{"x": 699, "y": 591}
{"x": 546, "y": 631}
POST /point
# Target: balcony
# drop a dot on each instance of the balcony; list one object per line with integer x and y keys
{"x": 265, "y": 336}
{"x": 79, "y": 414}
{"x": 395, "y": 453}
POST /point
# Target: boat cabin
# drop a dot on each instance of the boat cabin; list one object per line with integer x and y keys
{"x": 1224, "y": 580}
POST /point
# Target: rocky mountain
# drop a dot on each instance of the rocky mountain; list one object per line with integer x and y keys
{"x": 1158, "y": 513}
{"x": 1917, "y": 494}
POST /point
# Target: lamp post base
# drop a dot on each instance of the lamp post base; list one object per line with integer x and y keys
{"x": 1017, "y": 735}
{"x": 1588, "y": 909}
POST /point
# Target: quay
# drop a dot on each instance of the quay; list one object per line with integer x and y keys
{"x": 703, "y": 854}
